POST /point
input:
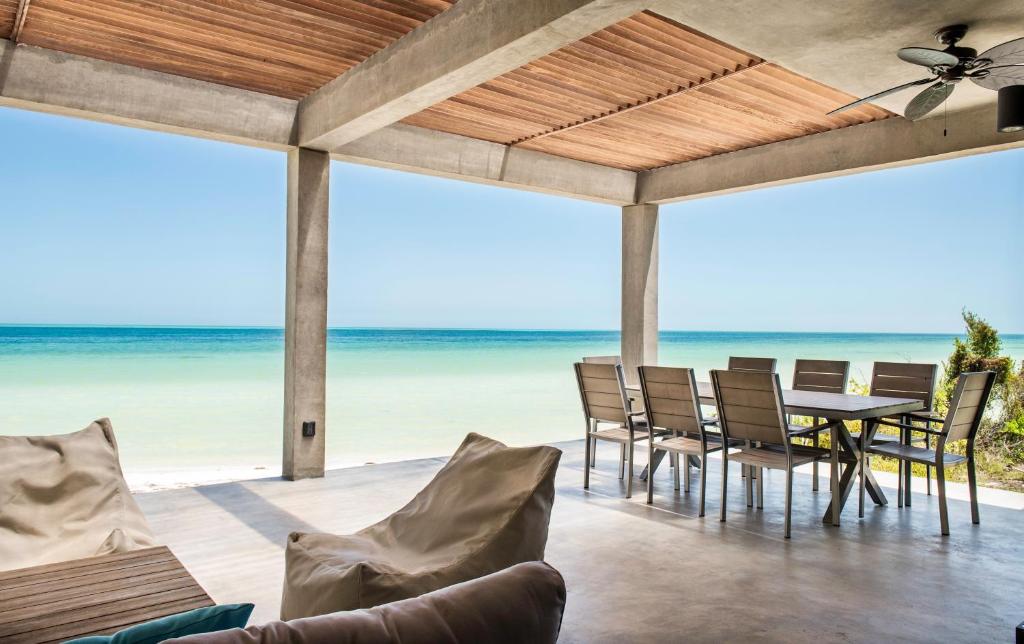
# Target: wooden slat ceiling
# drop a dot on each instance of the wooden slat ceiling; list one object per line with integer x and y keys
{"x": 641, "y": 94}
{"x": 282, "y": 47}
{"x": 8, "y": 9}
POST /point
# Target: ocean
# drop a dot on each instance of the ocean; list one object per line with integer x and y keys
{"x": 194, "y": 405}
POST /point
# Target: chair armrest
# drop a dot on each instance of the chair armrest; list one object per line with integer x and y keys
{"x": 911, "y": 428}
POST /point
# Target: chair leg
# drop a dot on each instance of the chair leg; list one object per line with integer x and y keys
{"x": 749, "y": 486}
{"x": 683, "y": 464}
{"x": 676, "y": 475}
{"x": 863, "y": 463}
{"x": 899, "y": 483}
{"x": 703, "y": 480}
{"x": 928, "y": 468}
{"x": 760, "y": 488}
{"x": 814, "y": 442}
{"x": 650, "y": 477}
{"x": 972, "y": 483}
{"x": 940, "y": 481}
{"x": 587, "y": 453}
{"x": 593, "y": 455}
{"x": 725, "y": 483}
{"x": 629, "y": 474}
{"x": 789, "y": 499}
{"x": 908, "y": 471}
{"x": 622, "y": 461}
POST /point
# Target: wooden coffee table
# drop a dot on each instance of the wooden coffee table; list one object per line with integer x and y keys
{"x": 94, "y": 596}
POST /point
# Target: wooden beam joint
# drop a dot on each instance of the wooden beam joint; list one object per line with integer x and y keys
{"x": 651, "y": 100}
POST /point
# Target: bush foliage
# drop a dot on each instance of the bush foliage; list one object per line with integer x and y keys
{"x": 1000, "y": 438}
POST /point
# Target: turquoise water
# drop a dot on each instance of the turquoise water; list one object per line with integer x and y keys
{"x": 185, "y": 400}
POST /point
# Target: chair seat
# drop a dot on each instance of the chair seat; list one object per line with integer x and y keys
{"x": 687, "y": 445}
{"x": 915, "y": 454}
{"x": 620, "y": 434}
{"x": 774, "y": 456}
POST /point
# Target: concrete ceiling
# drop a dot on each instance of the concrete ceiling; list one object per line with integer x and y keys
{"x": 851, "y": 45}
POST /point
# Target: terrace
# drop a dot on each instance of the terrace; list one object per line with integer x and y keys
{"x": 630, "y": 103}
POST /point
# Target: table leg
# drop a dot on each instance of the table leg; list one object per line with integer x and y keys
{"x": 836, "y": 508}
{"x": 659, "y": 455}
{"x": 870, "y": 483}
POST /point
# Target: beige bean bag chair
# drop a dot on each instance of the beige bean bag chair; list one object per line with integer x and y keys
{"x": 523, "y": 603}
{"x": 64, "y": 497}
{"x": 486, "y": 510}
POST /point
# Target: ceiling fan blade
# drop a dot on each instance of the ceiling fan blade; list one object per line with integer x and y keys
{"x": 927, "y": 57}
{"x": 1008, "y": 53}
{"x": 1000, "y": 76}
{"x": 891, "y": 90}
{"x": 928, "y": 100}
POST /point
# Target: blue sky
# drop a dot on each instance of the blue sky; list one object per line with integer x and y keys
{"x": 109, "y": 225}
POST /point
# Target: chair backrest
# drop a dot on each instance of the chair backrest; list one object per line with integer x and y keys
{"x": 670, "y": 398}
{"x": 602, "y": 391}
{"x": 750, "y": 406}
{"x": 905, "y": 380}
{"x": 602, "y": 359}
{"x": 967, "y": 405}
{"x": 829, "y": 376}
{"x": 751, "y": 364}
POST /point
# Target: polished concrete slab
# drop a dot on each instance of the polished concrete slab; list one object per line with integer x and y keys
{"x": 639, "y": 573}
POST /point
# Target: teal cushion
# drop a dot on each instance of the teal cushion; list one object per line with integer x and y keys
{"x": 200, "y": 620}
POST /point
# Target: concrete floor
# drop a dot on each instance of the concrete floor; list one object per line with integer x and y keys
{"x": 638, "y": 573}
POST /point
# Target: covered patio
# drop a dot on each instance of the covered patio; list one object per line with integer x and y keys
{"x": 639, "y": 573}
{"x": 630, "y": 103}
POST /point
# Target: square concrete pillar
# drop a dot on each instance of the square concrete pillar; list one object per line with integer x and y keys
{"x": 639, "y": 288}
{"x": 305, "y": 335}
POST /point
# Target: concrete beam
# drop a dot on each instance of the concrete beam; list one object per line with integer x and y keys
{"x": 859, "y": 148}
{"x": 414, "y": 149}
{"x": 639, "y": 288}
{"x": 471, "y": 43}
{"x": 305, "y": 326}
{"x": 44, "y": 80}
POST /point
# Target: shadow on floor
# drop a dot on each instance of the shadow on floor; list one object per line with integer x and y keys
{"x": 270, "y": 521}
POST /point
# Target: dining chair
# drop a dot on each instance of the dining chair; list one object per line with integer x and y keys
{"x": 906, "y": 380}
{"x": 673, "y": 405}
{"x": 603, "y": 394}
{"x": 960, "y": 423}
{"x": 751, "y": 410}
{"x": 751, "y": 364}
{"x": 829, "y": 376}
{"x": 604, "y": 360}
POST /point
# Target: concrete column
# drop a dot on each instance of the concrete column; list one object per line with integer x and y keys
{"x": 639, "y": 287}
{"x": 305, "y": 335}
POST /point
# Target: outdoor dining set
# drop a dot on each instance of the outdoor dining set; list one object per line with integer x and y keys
{"x": 760, "y": 425}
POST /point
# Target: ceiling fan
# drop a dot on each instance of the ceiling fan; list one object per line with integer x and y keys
{"x": 998, "y": 67}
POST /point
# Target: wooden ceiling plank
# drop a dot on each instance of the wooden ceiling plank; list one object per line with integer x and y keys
{"x": 84, "y": 23}
{"x": 166, "y": 23}
{"x": 71, "y": 37}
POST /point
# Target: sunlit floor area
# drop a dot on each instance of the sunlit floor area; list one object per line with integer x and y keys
{"x": 659, "y": 573}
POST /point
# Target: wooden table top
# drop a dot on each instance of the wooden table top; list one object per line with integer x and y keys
{"x": 824, "y": 405}
{"x": 94, "y": 596}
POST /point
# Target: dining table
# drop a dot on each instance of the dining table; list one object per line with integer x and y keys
{"x": 847, "y": 456}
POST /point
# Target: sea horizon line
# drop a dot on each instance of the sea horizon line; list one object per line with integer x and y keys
{"x": 42, "y": 325}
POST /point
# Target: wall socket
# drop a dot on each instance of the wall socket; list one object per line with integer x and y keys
{"x": 308, "y": 428}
